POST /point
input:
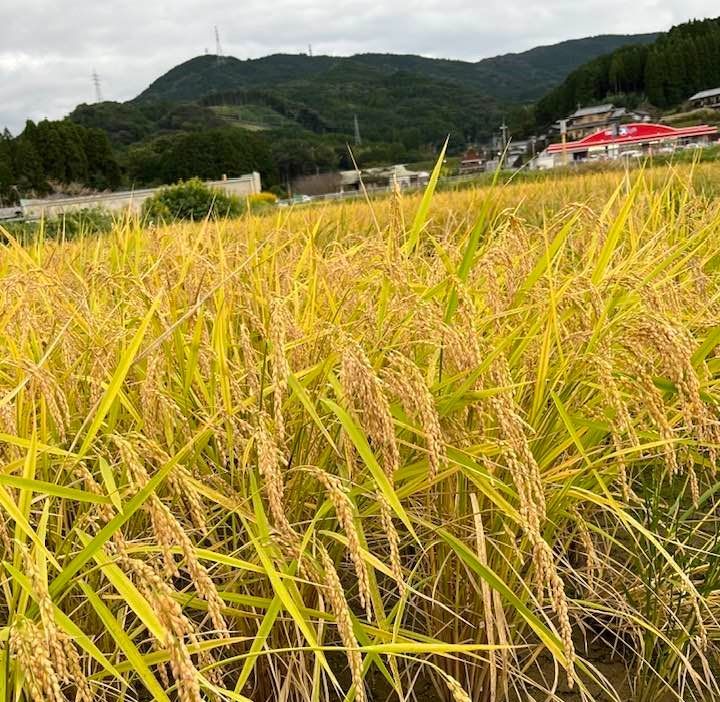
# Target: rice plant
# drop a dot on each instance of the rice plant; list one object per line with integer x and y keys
{"x": 460, "y": 446}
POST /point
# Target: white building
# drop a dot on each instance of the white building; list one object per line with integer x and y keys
{"x": 383, "y": 177}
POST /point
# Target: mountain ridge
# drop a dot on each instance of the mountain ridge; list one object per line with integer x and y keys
{"x": 515, "y": 77}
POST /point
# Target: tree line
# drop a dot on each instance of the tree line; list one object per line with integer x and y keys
{"x": 209, "y": 154}
{"x": 52, "y": 153}
{"x": 678, "y": 64}
{"x": 49, "y": 156}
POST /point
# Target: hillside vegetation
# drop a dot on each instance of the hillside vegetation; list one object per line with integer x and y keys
{"x": 665, "y": 72}
{"x": 409, "y": 101}
{"x": 511, "y": 77}
{"x": 462, "y": 448}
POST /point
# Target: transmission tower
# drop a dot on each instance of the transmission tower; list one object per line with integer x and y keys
{"x": 96, "y": 83}
{"x": 218, "y": 47}
{"x": 358, "y": 140}
{"x": 310, "y": 50}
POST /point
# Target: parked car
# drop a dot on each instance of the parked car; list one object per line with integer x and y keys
{"x": 632, "y": 153}
{"x": 295, "y": 200}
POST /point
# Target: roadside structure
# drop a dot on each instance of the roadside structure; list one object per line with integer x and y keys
{"x": 9, "y": 214}
{"x": 130, "y": 200}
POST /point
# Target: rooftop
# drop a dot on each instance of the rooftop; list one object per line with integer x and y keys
{"x": 706, "y": 94}
{"x": 592, "y": 110}
{"x": 634, "y": 133}
{"x": 398, "y": 171}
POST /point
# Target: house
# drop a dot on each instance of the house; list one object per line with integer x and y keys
{"x": 510, "y": 162}
{"x": 707, "y": 98}
{"x": 472, "y": 162}
{"x": 588, "y": 120}
{"x": 519, "y": 147}
{"x": 617, "y": 141}
{"x": 382, "y": 177}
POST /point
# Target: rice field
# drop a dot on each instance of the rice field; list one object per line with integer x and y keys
{"x": 459, "y": 447}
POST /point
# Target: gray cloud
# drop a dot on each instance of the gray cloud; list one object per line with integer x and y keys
{"x": 49, "y": 50}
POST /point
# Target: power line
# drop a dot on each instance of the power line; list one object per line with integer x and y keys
{"x": 96, "y": 83}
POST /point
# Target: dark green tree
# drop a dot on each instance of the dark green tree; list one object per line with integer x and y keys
{"x": 103, "y": 168}
{"x": 28, "y": 165}
{"x": 49, "y": 144}
{"x": 7, "y": 170}
{"x": 76, "y": 162}
{"x": 655, "y": 78}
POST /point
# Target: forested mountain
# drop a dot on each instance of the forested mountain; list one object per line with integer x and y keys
{"x": 398, "y": 98}
{"x": 519, "y": 77}
{"x": 402, "y": 107}
{"x": 664, "y": 73}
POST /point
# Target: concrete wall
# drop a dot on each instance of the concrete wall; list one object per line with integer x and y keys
{"x": 132, "y": 200}
{"x": 10, "y": 213}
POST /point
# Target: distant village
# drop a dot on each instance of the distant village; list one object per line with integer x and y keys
{"x": 594, "y": 133}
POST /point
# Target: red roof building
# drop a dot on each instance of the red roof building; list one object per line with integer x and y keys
{"x": 637, "y": 134}
{"x": 612, "y": 142}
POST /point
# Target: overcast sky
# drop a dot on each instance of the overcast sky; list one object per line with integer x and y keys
{"x": 49, "y": 49}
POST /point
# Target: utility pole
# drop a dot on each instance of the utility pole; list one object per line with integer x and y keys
{"x": 96, "y": 83}
{"x": 503, "y": 145}
{"x": 358, "y": 140}
{"x": 504, "y": 130}
{"x": 563, "y": 138}
{"x": 218, "y": 47}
